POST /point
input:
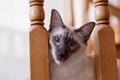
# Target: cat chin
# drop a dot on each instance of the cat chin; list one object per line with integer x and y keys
{"x": 58, "y": 62}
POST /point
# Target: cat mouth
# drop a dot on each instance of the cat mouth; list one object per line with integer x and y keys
{"x": 58, "y": 61}
{"x": 61, "y": 59}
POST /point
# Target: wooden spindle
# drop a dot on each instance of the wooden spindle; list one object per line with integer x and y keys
{"x": 38, "y": 42}
{"x": 104, "y": 43}
{"x": 84, "y": 11}
{"x": 68, "y": 12}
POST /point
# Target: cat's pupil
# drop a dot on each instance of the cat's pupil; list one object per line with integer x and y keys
{"x": 57, "y": 39}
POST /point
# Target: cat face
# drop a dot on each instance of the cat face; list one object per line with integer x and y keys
{"x": 64, "y": 43}
{"x": 67, "y": 42}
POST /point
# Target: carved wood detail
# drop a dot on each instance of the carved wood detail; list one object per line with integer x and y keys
{"x": 38, "y": 42}
{"x": 104, "y": 43}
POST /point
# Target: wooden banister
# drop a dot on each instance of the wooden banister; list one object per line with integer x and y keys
{"x": 68, "y": 12}
{"x": 114, "y": 10}
{"x": 84, "y": 11}
{"x": 38, "y": 42}
{"x": 104, "y": 43}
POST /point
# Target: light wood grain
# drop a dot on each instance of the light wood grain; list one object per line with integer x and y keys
{"x": 114, "y": 10}
{"x": 38, "y": 42}
{"x": 118, "y": 50}
{"x": 68, "y": 13}
{"x": 104, "y": 43}
{"x": 84, "y": 11}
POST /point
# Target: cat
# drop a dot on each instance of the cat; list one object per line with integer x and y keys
{"x": 68, "y": 59}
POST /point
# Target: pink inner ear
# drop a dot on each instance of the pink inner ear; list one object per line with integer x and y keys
{"x": 56, "y": 20}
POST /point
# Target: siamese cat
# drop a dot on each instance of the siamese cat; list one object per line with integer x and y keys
{"x": 68, "y": 60}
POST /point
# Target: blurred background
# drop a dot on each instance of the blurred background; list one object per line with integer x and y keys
{"x": 15, "y": 24}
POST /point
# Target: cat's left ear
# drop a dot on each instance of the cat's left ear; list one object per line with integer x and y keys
{"x": 86, "y": 30}
{"x": 55, "y": 21}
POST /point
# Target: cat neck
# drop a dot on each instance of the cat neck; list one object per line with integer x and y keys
{"x": 74, "y": 69}
{"x": 76, "y": 60}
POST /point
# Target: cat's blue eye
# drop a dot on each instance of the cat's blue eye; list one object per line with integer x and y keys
{"x": 73, "y": 45}
{"x": 57, "y": 39}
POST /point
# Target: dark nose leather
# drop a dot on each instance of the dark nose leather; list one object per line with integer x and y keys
{"x": 62, "y": 56}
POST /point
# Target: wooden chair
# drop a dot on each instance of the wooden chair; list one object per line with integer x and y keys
{"x": 105, "y": 51}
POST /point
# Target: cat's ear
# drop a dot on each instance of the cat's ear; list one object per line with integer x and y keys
{"x": 86, "y": 30}
{"x": 55, "y": 21}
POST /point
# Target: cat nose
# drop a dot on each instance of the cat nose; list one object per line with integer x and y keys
{"x": 62, "y": 56}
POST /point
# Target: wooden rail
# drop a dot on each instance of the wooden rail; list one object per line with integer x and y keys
{"x": 114, "y": 10}
{"x": 104, "y": 43}
{"x": 69, "y": 13}
{"x": 38, "y": 42}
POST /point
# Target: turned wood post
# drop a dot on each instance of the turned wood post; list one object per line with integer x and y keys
{"x": 104, "y": 43}
{"x": 38, "y": 42}
{"x": 68, "y": 12}
{"x": 84, "y": 11}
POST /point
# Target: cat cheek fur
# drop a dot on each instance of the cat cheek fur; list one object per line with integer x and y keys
{"x": 53, "y": 49}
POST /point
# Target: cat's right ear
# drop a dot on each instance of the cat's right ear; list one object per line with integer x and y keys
{"x": 86, "y": 30}
{"x": 55, "y": 21}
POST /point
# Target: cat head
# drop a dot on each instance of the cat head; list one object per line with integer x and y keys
{"x": 65, "y": 41}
